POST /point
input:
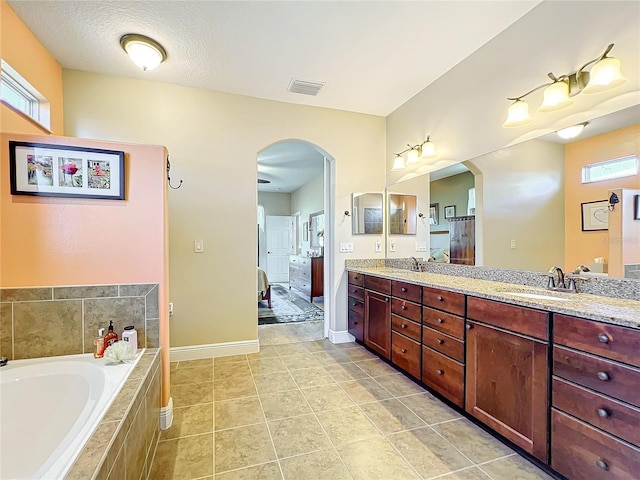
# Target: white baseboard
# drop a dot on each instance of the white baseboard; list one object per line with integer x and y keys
{"x": 166, "y": 415}
{"x": 196, "y": 352}
{"x": 341, "y": 336}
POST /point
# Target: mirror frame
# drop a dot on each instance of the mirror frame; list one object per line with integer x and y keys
{"x": 355, "y": 215}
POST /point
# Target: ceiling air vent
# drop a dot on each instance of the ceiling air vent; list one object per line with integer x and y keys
{"x": 304, "y": 87}
{"x": 262, "y": 180}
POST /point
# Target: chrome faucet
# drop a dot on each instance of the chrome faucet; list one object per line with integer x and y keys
{"x": 3, "y": 361}
{"x": 556, "y": 271}
{"x": 416, "y": 264}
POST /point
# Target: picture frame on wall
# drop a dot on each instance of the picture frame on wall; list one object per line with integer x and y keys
{"x": 433, "y": 214}
{"x": 49, "y": 170}
{"x": 636, "y": 207}
{"x": 595, "y": 215}
{"x": 305, "y": 231}
{"x": 449, "y": 211}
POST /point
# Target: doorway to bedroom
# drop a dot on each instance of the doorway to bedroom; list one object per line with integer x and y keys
{"x": 291, "y": 233}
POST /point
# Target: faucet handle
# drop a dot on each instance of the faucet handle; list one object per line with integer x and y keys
{"x": 572, "y": 281}
{"x": 551, "y": 282}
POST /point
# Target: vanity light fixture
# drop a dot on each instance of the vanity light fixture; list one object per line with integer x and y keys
{"x": 415, "y": 153}
{"x": 573, "y": 131}
{"x": 143, "y": 51}
{"x": 604, "y": 75}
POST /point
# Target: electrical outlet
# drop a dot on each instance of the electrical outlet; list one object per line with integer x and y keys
{"x": 170, "y": 308}
{"x": 346, "y": 247}
{"x": 513, "y": 244}
{"x": 392, "y": 246}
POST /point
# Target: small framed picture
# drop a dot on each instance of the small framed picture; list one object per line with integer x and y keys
{"x": 305, "y": 231}
{"x": 449, "y": 211}
{"x": 65, "y": 171}
{"x": 433, "y": 214}
{"x": 636, "y": 207}
{"x": 595, "y": 215}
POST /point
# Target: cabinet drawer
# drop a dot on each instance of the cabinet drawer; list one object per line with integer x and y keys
{"x": 443, "y": 300}
{"x": 604, "y": 376}
{"x": 408, "y": 291}
{"x": 405, "y": 353}
{"x": 444, "y": 322}
{"x": 356, "y": 305}
{"x": 406, "y": 327}
{"x": 510, "y": 317}
{"x": 450, "y": 346}
{"x": 581, "y": 452}
{"x": 356, "y": 278}
{"x": 382, "y": 285}
{"x": 444, "y": 375}
{"x": 356, "y": 292}
{"x": 409, "y": 310}
{"x": 603, "y": 412}
{"x": 356, "y": 325}
{"x": 611, "y": 341}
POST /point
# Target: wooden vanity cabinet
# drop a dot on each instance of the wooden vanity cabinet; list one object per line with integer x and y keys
{"x": 306, "y": 274}
{"x": 377, "y": 315}
{"x": 595, "y": 420}
{"x": 406, "y": 319}
{"x": 508, "y": 371}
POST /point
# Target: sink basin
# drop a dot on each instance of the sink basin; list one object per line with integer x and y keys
{"x": 536, "y": 296}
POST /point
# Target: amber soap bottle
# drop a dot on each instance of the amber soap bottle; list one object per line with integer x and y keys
{"x": 111, "y": 337}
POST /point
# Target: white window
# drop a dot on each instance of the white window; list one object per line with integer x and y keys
{"x": 19, "y": 94}
{"x": 610, "y": 169}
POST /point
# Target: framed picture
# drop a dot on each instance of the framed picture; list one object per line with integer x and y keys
{"x": 595, "y": 215}
{"x": 433, "y": 214}
{"x": 65, "y": 171}
{"x": 636, "y": 207}
{"x": 305, "y": 231}
{"x": 449, "y": 211}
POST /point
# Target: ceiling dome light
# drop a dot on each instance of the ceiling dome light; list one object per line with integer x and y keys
{"x": 143, "y": 51}
{"x": 604, "y": 76}
{"x": 556, "y": 96}
{"x": 518, "y": 114}
{"x": 398, "y": 163}
{"x": 572, "y": 131}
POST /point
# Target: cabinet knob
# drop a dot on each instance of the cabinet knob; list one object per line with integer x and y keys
{"x": 355, "y": 304}
{"x": 440, "y": 341}
{"x": 386, "y": 299}
{"x": 439, "y": 372}
{"x": 603, "y": 413}
{"x": 403, "y": 350}
{"x": 604, "y": 376}
{"x": 603, "y": 465}
{"x": 440, "y": 320}
{"x": 469, "y": 326}
{"x": 404, "y": 307}
{"x": 603, "y": 338}
{"x": 440, "y": 298}
{"x": 403, "y": 289}
{"x": 404, "y": 325}
{"x": 355, "y": 323}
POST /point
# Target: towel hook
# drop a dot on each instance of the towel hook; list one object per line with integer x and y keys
{"x": 169, "y": 177}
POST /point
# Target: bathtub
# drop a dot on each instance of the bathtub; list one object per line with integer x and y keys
{"x": 49, "y": 407}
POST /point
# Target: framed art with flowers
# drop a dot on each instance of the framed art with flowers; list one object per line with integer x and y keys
{"x": 65, "y": 171}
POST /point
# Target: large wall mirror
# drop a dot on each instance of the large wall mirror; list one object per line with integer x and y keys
{"x": 367, "y": 213}
{"x": 316, "y": 231}
{"x": 528, "y": 200}
{"x": 403, "y": 215}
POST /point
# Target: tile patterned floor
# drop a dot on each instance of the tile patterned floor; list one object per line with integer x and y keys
{"x": 305, "y": 409}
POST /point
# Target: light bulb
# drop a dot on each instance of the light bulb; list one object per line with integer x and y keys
{"x": 428, "y": 149}
{"x": 518, "y": 114}
{"x": 413, "y": 156}
{"x": 398, "y": 163}
{"x": 556, "y": 96}
{"x": 604, "y": 76}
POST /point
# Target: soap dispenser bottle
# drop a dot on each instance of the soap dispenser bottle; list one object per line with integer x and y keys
{"x": 111, "y": 337}
{"x": 130, "y": 335}
{"x": 99, "y": 351}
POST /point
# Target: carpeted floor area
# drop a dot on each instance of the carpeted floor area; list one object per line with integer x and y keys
{"x": 287, "y": 307}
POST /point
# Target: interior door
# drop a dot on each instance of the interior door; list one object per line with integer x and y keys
{"x": 279, "y": 231}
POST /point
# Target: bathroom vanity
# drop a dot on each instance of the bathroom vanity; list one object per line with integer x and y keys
{"x": 556, "y": 375}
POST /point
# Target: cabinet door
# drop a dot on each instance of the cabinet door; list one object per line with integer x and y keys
{"x": 507, "y": 385}
{"x": 377, "y": 323}
{"x": 356, "y": 324}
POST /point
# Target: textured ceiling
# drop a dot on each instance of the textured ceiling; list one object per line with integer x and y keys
{"x": 288, "y": 166}
{"x": 373, "y": 55}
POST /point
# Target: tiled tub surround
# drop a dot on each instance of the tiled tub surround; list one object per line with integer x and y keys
{"x": 51, "y": 321}
{"x": 619, "y": 311}
{"x": 124, "y": 442}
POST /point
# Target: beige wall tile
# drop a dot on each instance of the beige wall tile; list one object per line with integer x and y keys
{"x": 25, "y": 294}
{"x": 91, "y": 291}
{"x": 122, "y": 311}
{"x": 6, "y": 330}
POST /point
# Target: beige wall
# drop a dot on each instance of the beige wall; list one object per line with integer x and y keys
{"x": 213, "y": 139}
{"x": 308, "y": 199}
{"x": 452, "y": 190}
{"x": 275, "y": 203}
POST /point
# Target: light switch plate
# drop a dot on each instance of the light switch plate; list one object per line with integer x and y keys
{"x": 421, "y": 246}
{"x": 198, "y": 246}
{"x": 392, "y": 246}
{"x": 513, "y": 244}
{"x": 378, "y": 246}
{"x": 346, "y": 247}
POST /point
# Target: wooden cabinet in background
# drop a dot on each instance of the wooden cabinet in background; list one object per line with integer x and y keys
{"x": 462, "y": 240}
{"x": 508, "y": 373}
{"x": 306, "y": 274}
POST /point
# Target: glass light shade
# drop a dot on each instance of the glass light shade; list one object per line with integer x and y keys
{"x": 518, "y": 114}
{"x": 428, "y": 149}
{"x": 143, "y": 51}
{"x": 572, "y": 131}
{"x": 413, "y": 156}
{"x": 604, "y": 76}
{"x": 556, "y": 96}
{"x": 398, "y": 163}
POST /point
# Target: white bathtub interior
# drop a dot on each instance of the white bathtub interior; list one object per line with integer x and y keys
{"x": 49, "y": 407}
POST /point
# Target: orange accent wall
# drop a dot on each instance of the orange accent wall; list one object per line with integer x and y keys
{"x": 583, "y": 247}
{"x": 24, "y": 52}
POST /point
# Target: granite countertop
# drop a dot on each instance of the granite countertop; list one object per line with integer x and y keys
{"x": 594, "y": 307}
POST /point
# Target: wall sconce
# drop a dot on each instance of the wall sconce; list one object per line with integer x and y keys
{"x": 415, "y": 154}
{"x": 347, "y": 213}
{"x": 143, "y": 51}
{"x": 604, "y": 75}
{"x": 613, "y": 199}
